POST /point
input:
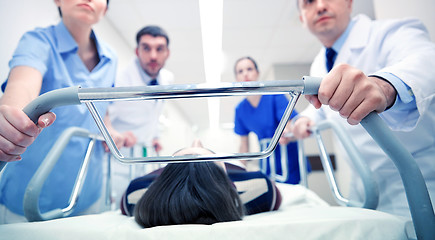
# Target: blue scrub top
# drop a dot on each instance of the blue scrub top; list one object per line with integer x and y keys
{"x": 263, "y": 121}
{"x": 53, "y": 52}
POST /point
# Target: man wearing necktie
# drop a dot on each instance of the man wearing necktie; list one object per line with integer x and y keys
{"x": 153, "y": 82}
{"x": 141, "y": 117}
{"x": 384, "y": 66}
{"x": 330, "y": 55}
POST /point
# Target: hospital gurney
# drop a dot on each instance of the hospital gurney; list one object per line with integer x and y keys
{"x": 416, "y": 191}
{"x": 33, "y": 190}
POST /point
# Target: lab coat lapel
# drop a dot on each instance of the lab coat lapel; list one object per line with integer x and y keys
{"x": 356, "y": 42}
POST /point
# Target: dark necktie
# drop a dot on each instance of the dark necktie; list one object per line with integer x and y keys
{"x": 330, "y": 58}
{"x": 153, "y": 82}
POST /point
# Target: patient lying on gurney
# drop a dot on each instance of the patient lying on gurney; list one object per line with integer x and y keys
{"x": 198, "y": 193}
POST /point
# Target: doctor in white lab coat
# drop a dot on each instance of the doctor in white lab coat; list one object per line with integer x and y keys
{"x": 384, "y": 66}
{"x": 140, "y": 117}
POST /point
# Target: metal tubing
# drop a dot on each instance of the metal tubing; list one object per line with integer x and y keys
{"x": 108, "y": 192}
{"x": 326, "y": 162}
{"x": 49, "y": 100}
{"x": 33, "y": 190}
{"x": 189, "y": 90}
{"x": 370, "y": 186}
{"x": 355, "y": 157}
{"x": 215, "y": 157}
{"x": 283, "y": 162}
{"x": 80, "y": 179}
{"x": 302, "y": 164}
{"x": 415, "y": 187}
{"x": 76, "y": 95}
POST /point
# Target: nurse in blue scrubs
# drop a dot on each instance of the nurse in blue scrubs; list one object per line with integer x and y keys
{"x": 261, "y": 114}
{"x": 63, "y": 55}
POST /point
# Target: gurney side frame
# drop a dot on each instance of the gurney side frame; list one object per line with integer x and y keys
{"x": 355, "y": 158}
{"x": 33, "y": 190}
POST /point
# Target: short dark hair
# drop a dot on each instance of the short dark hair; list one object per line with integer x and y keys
{"x": 60, "y": 12}
{"x": 248, "y": 58}
{"x": 189, "y": 193}
{"x": 154, "y": 31}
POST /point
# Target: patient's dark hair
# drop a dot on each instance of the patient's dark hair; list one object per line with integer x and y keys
{"x": 189, "y": 193}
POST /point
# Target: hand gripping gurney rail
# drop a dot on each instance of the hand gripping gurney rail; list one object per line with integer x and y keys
{"x": 416, "y": 191}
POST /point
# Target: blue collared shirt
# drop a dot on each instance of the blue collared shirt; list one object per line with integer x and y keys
{"x": 53, "y": 52}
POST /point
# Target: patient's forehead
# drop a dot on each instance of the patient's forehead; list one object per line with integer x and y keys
{"x": 198, "y": 151}
{"x": 193, "y": 151}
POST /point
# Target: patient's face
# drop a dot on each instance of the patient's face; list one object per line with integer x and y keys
{"x": 198, "y": 151}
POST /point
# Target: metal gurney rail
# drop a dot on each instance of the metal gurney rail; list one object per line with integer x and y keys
{"x": 415, "y": 187}
{"x": 355, "y": 159}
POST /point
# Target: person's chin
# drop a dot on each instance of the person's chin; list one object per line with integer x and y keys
{"x": 324, "y": 29}
{"x": 153, "y": 71}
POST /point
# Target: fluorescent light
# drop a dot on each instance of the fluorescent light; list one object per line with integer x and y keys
{"x": 211, "y": 14}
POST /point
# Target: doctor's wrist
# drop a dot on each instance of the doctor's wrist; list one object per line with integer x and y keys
{"x": 388, "y": 90}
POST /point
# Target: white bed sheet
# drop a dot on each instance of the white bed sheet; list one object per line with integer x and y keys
{"x": 303, "y": 215}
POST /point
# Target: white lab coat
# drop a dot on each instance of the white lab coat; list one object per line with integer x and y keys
{"x": 139, "y": 117}
{"x": 400, "y": 47}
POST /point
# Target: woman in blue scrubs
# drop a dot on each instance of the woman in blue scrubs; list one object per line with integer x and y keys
{"x": 63, "y": 55}
{"x": 261, "y": 114}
